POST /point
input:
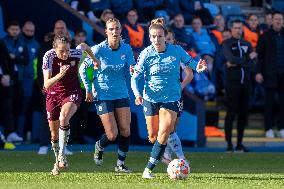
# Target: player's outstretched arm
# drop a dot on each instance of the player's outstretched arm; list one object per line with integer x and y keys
{"x": 97, "y": 63}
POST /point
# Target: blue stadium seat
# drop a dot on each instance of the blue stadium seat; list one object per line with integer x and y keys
{"x": 213, "y": 9}
{"x": 232, "y": 12}
{"x": 278, "y": 5}
{"x": 2, "y": 30}
{"x": 230, "y": 9}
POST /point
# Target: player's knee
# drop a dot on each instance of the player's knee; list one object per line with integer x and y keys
{"x": 112, "y": 136}
{"x": 63, "y": 120}
{"x": 125, "y": 132}
{"x": 54, "y": 137}
{"x": 152, "y": 138}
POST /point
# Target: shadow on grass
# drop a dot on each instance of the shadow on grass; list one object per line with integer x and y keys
{"x": 201, "y": 163}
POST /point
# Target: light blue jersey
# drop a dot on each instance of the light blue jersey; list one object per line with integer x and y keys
{"x": 161, "y": 72}
{"x": 110, "y": 79}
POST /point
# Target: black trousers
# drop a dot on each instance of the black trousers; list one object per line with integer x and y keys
{"x": 237, "y": 102}
{"x": 274, "y": 96}
{"x": 6, "y": 109}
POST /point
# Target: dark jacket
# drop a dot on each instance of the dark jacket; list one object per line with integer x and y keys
{"x": 266, "y": 64}
{"x": 44, "y": 47}
{"x": 5, "y": 68}
{"x": 236, "y": 51}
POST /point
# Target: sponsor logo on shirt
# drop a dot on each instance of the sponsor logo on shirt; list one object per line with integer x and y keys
{"x": 169, "y": 59}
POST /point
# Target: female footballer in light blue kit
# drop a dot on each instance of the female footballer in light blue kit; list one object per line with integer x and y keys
{"x": 160, "y": 65}
{"x": 112, "y": 94}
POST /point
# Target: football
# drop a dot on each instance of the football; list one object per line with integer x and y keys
{"x": 178, "y": 169}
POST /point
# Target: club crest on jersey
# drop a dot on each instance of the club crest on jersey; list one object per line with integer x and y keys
{"x": 72, "y": 63}
{"x": 122, "y": 57}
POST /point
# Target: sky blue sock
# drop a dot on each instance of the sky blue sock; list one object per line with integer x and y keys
{"x": 156, "y": 154}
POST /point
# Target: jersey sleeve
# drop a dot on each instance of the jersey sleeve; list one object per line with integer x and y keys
{"x": 186, "y": 59}
{"x": 47, "y": 60}
{"x": 138, "y": 72}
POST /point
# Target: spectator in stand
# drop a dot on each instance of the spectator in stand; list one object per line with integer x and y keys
{"x": 205, "y": 46}
{"x": 147, "y": 8}
{"x": 18, "y": 54}
{"x": 172, "y": 7}
{"x": 270, "y": 72}
{"x": 28, "y": 32}
{"x": 120, "y": 8}
{"x": 192, "y": 8}
{"x": 267, "y": 23}
{"x": 218, "y": 76}
{"x": 219, "y": 23}
{"x": 84, "y": 7}
{"x": 105, "y": 16}
{"x": 251, "y": 30}
{"x": 6, "y": 91}
{"x": 182, "y": 35}
{"x": 80, "y": 37}
{"x": 98, "y": 6}
{"x": 133, "y": 33}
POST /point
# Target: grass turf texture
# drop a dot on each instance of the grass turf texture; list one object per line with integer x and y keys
{"x": 209, "y": 170}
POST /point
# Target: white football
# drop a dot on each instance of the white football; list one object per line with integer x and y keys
{"x": 178, "y": 169}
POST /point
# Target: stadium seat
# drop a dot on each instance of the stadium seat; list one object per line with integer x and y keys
{"x": 234, "y": 17}
{"x": 232, "y": 12}
{"x": 278, "y": 5}
{"x": 213, "y": 9}
{"x": 230, "y": 9}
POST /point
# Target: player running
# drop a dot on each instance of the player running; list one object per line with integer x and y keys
{"x": 160, "y": 62}
{"x": 63, "y": 93}
{"x": 112, "y": 94}
{"x": 174, "y": 143}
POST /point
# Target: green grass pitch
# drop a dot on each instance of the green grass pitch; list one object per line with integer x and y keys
{"x": 209, "y": 170}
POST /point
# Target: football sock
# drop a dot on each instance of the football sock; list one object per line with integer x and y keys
{"x": 64, "y": 133}
{"x": 168, "y": 152}
{"x": 55, "y": 148}
{"x": 175, "y": 144}
{"x": 123, "y": 148}
{"x": 103, "y": 142}
{"x": 156, "y": 154}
